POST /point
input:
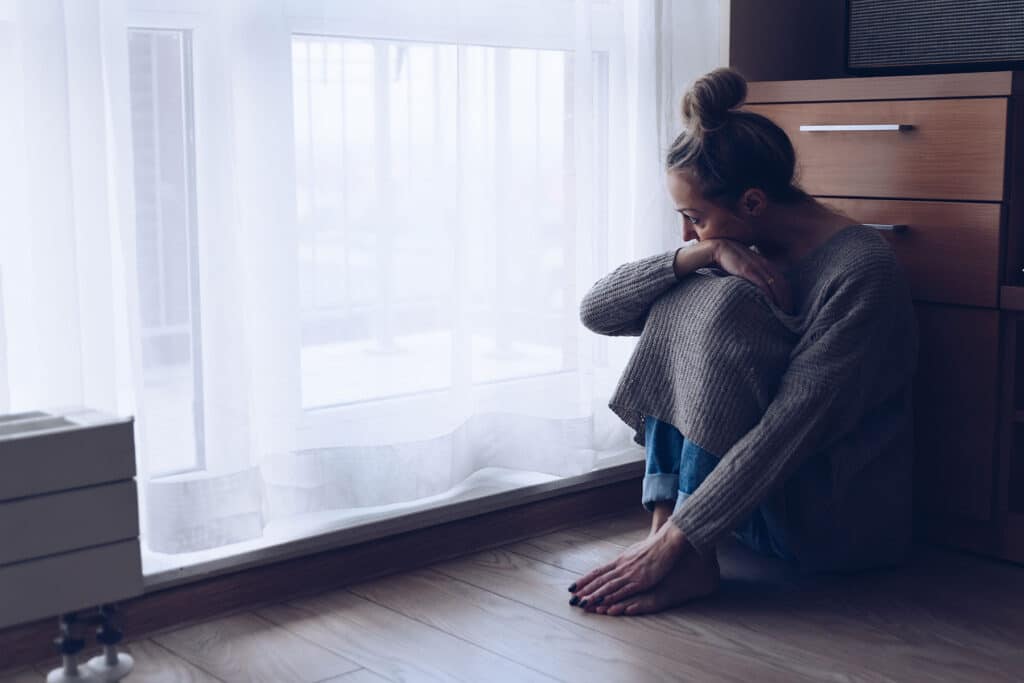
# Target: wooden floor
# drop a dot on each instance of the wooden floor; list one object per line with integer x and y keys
{"x": 503, "y": 615}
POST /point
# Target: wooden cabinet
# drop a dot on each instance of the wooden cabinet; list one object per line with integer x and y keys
{"x": 942, "y": 157}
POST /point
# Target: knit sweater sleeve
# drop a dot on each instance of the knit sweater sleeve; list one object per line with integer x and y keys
{"x": 618, "y": 303}
{"x": 821, "y": 396}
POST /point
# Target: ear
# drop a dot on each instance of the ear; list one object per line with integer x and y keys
{"x": 753, "y": 202}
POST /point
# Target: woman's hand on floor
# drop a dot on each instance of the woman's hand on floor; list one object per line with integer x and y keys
{"x": 637, "y": 569}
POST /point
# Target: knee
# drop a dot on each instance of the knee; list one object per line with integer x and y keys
{"x": 740, "y": 298}
{"x": 745, "y": 342}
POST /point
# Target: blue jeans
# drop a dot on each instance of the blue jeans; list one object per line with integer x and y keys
{"x": 675, "y": 468}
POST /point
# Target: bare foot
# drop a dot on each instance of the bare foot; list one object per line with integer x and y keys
{"x": 660, "y": 514}
{"x": 692, "y": 578}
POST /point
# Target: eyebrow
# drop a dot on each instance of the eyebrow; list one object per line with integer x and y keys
{"x": 686, "y": 208}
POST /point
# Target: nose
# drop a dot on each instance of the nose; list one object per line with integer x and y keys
{"x": 688, "y": 232}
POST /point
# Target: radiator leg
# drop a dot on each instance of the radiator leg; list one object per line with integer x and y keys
{"x": 69, "y": 646}
{"x": 111, "y": 666}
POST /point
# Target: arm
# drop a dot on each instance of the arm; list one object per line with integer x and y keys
{"x": 824, "y": 391}
{"x": 617, "y": 304}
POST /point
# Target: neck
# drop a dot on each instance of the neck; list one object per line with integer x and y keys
{"x": 788, "y": 232}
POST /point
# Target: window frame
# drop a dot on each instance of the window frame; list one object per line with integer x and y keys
{"x": 395, "y": 22}
{"x": 193, "y": 26}
{"x": 346, "y": 22}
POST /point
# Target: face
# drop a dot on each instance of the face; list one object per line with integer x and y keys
{"x": 703, "y": 220}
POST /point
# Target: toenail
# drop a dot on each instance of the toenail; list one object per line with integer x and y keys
{"x": 575, "y": 599}
{"x": 584, "y": 603}
{"x": 599, "y": 600}
{"x": 572, "y": 588}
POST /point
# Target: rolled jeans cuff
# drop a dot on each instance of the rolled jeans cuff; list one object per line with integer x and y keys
{"x": 659, "y": 487}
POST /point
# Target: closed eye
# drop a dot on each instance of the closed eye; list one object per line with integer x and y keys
{"x": 693, "y": 220}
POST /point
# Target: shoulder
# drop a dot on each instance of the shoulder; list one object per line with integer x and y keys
{"x": 864, "y": 248}
{"x": 862, "y": 260}
{"x": 860, "y": 286}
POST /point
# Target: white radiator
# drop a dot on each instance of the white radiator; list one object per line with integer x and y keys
{"x": 69, "y": 522}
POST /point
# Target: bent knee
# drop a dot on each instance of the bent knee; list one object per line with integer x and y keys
{"x": 742, "y": 305}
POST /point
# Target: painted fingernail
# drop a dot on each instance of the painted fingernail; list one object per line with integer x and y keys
{"x": 584, "y": 603}
{"x": 599, "y": 600}
{"x": 572, "y": 588}
{"x": 575, "y": 599}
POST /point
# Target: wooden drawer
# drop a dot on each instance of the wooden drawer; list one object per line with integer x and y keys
{"x": 955, "y": 391}
{"x": 955, "y": 149}
{"x": 950, "y": 250}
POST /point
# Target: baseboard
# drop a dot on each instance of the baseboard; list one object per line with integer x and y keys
{"x": 315, "y": 573}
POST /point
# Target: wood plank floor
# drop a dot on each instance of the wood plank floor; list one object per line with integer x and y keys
{"x": 503, "y": 615}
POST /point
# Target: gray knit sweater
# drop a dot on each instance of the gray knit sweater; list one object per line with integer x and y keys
{"x": 810, "y": 412}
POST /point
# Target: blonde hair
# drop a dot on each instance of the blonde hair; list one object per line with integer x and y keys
{"x": 728, "y": 150}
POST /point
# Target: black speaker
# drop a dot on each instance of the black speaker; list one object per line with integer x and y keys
{"x": 886, "y": 37}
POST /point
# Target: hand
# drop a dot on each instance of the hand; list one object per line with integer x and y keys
{"x": 637, "y": 569}
{"x": 737, "y": 258}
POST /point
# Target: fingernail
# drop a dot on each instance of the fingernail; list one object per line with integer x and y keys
{"x": 584, "y": 603}
{"x": 572, "y": 588}
{"x": 575, "y": 599}
{"x": 599, "y": 601}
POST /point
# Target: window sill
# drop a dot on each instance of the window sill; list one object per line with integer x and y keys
{"x": 162, "y": 571}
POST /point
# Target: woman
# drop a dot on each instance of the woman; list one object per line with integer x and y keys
{"x": 771, "y": 384}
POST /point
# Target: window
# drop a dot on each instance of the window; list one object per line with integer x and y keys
{"x": 166, "y": 254}
{"x": 416, "y": 161}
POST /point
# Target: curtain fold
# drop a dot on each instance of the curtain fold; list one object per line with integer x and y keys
{"x": 330, "y": 253}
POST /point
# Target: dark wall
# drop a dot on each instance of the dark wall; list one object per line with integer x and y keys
{"x": 771, "y": 40}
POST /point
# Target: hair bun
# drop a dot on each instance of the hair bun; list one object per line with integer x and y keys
{"x": 706, "y": 105}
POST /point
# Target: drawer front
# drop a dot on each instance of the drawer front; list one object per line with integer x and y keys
{"x": 955, "y": 149}
{"x": 949, "y": 251}
{"x": 58, "y": 522}
{"x": 955, "y": 389}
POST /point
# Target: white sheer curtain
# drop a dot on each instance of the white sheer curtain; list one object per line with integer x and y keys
{"x": 330, "y": 253}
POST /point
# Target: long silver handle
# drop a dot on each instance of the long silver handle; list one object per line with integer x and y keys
{"x": 889, "y": 227}
{"x": 856, "y": 126}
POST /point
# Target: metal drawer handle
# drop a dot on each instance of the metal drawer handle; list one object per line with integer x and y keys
{"x": 856, "y": 126}
{"x": 888, "y": 227}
